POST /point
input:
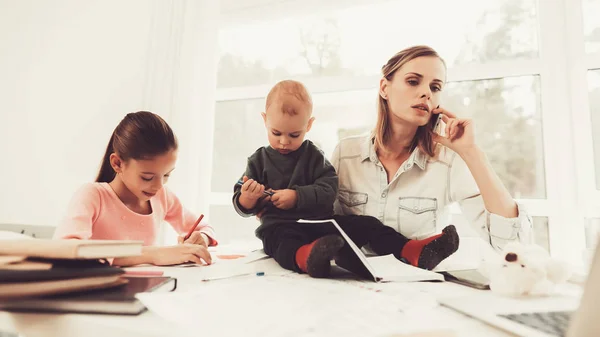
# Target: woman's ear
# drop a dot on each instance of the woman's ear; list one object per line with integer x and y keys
{"x": 116, "y": 162}
{"x": 383, "y": 86}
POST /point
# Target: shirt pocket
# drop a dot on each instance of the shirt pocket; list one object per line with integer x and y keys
{"x": 353, "y": 202}
{"x": 417, "y": 216}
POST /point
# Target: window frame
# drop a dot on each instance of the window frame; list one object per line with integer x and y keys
{"x": 560, "y": 28}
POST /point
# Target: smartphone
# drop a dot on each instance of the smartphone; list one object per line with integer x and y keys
{"x": 470, "y": 278}
{"x": 437, "y": 124}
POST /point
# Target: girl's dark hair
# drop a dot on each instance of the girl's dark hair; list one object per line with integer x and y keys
{"x": 140, "y": 135}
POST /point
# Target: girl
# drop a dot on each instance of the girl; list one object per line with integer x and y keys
{"x": 128, "y": 201}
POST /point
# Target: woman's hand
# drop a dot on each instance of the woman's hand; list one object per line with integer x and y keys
{"x": 183, "y": 253}
{"x": 197, "y": 238}
{"x": 459, "y": 135}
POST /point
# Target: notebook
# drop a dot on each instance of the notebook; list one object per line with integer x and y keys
{"x": 119, "y": 300}
{"x": 384, "y": 268}
{"x": 63, "y": 277}
{"x": 70, "y": 248}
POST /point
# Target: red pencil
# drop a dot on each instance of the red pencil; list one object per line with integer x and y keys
{"x": 187, "y": 236}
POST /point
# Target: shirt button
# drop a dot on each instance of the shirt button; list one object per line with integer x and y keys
{"x": 415, "y": 208}
{"x": 383, "y": 195}
{"x": 142, "y": 223}
{"x": 123, "y": 217}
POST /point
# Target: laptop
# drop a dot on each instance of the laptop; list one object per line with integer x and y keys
{"x": 542, "y": 316}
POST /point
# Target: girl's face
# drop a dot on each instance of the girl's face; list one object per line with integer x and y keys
{"x": 144, "y": 178}
{"x": 414, "y": 90}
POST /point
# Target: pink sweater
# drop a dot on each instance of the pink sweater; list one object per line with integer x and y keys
{"x": 96, "y": 212}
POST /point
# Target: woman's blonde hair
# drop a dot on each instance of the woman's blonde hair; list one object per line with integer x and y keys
{"x": 383, "y": 129}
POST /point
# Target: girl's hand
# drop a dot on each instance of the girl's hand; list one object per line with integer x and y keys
{"x": 284, "y": 199}
{"x": 459, "y": 135}
{"x": 183, "y": 253}
{"x": 197, "y": 238}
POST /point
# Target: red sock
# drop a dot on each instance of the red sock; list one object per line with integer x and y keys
{"x": 412, "y": 249}
{"x": 302, "y": 255}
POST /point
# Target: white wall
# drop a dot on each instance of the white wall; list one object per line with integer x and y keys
{"x": 71, "y": 69}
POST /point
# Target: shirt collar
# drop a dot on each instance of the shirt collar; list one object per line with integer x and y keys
{"x": 367, "y": 151}
{"x": 419, "y": 158}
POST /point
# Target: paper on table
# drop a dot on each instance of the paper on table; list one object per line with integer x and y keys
{"x": 390, "y": 269}
{"x": 383, "y": 268}
{"x": 8, "y": 235}
{"x": 273, "y": 306}
{"x": 469, "y": 255}
{"x": 231, "y": 268}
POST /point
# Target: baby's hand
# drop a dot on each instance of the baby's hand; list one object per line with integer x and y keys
{"x": 284, "y": 199}
{"x": 251, "y": 189}
{"x": 183, "y": 253}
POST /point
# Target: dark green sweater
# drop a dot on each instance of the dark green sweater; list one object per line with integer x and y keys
{"x": 305, "y": 170}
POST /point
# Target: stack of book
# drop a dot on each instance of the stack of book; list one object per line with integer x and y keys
{"x": 71, "y": 276}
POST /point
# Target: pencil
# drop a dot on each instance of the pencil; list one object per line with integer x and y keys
{"x": 187, "y": 236}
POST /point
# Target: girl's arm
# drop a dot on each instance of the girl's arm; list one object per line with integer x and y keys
{"x": 181, "y": 219}
{"x": 82, "y": 212}
{"x": 164, "y": 256}
{"x": 147, "y": 257}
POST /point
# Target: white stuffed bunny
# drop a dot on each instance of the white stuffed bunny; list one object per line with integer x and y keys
{"x": 523, "y": 270}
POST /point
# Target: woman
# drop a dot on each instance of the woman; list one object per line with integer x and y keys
{"x": 409, "y": 169}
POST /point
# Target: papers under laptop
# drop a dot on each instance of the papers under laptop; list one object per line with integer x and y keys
{"x": 536, "y": 317}
{"x": 384, "y": 268}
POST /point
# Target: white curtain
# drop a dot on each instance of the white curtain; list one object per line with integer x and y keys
{"x": 181, "y": 85}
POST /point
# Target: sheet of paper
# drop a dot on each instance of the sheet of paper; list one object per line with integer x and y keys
{"x": 470, "y": 255}
{"x": 278, "y": 306}
{"x": 392, "y": 270}
{"x": 8, "y": 235}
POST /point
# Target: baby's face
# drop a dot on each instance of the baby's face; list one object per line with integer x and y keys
{"x": 286, "y": 132}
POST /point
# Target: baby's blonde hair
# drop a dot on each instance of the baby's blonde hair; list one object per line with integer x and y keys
{"x": 290, "y": 93}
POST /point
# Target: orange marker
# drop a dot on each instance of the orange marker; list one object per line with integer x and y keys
{"x": 187, "y": 236}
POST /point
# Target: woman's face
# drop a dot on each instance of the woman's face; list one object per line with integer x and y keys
{"x": 414, "y": 90}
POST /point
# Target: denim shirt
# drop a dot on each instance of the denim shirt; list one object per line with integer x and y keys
{"x": 414, "y": 202}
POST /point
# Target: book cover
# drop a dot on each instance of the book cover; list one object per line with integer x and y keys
{"x": 119, "y": 300}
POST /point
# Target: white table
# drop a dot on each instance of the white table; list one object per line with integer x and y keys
{"x": 150, "y": 324}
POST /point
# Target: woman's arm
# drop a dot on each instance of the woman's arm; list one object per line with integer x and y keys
{"x": 475, "y": 186}
{"x": 460, "y": 138}
{"x": 495, "y": 196}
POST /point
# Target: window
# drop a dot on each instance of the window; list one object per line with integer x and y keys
{"x": 594, "y": 94}
{"x": 540, "y": 231}
{"x": 507, "y": 115}
{"x": 334, "y": 43}
{"x": 591, "y": 25}
{"x": 503, "y": 72}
